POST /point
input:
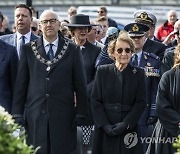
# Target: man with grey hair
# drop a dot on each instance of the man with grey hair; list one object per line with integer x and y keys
{"x": 51, "y": 78}
{"x": 168, "y": 26}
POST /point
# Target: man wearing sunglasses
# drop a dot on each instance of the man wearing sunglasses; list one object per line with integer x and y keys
{"x": 151, "y": 65}
{"x": 102, "y": 11}
{"x": 23, "y": 35}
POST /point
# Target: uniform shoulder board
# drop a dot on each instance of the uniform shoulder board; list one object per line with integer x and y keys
{"x": 152, "y": 55}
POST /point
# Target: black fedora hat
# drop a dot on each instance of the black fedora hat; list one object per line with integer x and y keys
{"x": 136, "y": 29}
{"x": 79, "y": 20}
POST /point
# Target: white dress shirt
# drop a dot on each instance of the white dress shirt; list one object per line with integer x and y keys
{"x": 27, "y": 40}
{"x": 54, "y": 47}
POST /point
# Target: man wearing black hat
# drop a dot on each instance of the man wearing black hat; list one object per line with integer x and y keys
{"x": 152, "y": 44}
{"x": 151, "y": 64}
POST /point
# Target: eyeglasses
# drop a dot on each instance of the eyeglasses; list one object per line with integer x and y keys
{"x": 120, "y": 50}
{"x": 51, "y": 21}
{"x": 34, "y": 29}
{"x": 100, "y": 11}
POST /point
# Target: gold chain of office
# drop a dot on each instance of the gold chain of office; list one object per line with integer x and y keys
{"x": 48, "y": 63}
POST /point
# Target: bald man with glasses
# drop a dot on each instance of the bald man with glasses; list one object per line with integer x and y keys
{"x": 51, "y": 73}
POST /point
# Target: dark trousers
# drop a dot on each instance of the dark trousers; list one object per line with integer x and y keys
{"x": 48, "y": 141}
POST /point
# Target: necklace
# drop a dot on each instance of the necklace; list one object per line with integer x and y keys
{"x": 48, "y": 63}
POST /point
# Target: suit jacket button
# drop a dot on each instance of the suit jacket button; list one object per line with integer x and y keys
{"x": 47, "y": 95}
{"x": 43, "y": 112}
{"x": 47, "y": 79}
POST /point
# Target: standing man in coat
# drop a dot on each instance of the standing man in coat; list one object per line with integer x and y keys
{"x": 51, "y": 73}
{"x": 151, "y": 65}
{"x": 23, "y": 19}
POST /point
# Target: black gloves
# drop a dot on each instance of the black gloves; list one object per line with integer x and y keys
{"x": 152, "y": 120}
{"x": 20, "y": 121}
{"x": 116, "y": 129}
{"x": 109, "y": 129}
{"x": 119, "y": 128}
{"x": 80, "y": 120}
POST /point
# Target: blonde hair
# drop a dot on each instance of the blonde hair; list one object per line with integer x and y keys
{"x": 123, "y": 36}
{"x": 176, "y": 54}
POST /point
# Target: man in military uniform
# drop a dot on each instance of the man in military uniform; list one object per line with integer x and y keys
{"x": 150, "y": 63}
{"x": 152, "y": 44}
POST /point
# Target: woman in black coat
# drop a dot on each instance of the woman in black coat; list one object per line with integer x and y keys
{"x": 168, "y": 107}
{"x": 79, "y": 28}
{"x": 118, "y": 100}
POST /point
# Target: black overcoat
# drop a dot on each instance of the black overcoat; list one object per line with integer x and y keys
{"x": 133, "y": 101}
{"x": 168, "y": 109}
{"x": 49, "y": 96}
{"x": 90, "y": 53}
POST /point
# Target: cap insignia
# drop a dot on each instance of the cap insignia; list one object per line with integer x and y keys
{"x": 144, "y": 16}
{"x": 135, "y": 28}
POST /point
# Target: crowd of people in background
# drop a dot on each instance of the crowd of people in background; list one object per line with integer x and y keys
{"x": 79, "y": 86}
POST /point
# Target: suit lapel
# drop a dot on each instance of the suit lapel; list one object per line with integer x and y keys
{"x": 33, "y": 37}
{"x": 60, "y": 45}
{"x": 13, "y": 40}
{"x": 40, "y": 48}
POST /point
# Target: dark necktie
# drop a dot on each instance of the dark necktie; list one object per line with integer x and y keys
{"x": 21, "y": 43}
{"x": 135, "y": 60}
{"x": 50, "y": 53}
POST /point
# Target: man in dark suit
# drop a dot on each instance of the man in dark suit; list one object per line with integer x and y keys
{"x": 151, "y": 45}
{"x": 151, "y": 65}
{"x": 8, "y": 72}
{"x": 23, "y": 18}
{"x": 51, "y": 73}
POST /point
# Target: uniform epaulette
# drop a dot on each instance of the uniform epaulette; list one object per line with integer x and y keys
{"x": 152, "y": 55}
